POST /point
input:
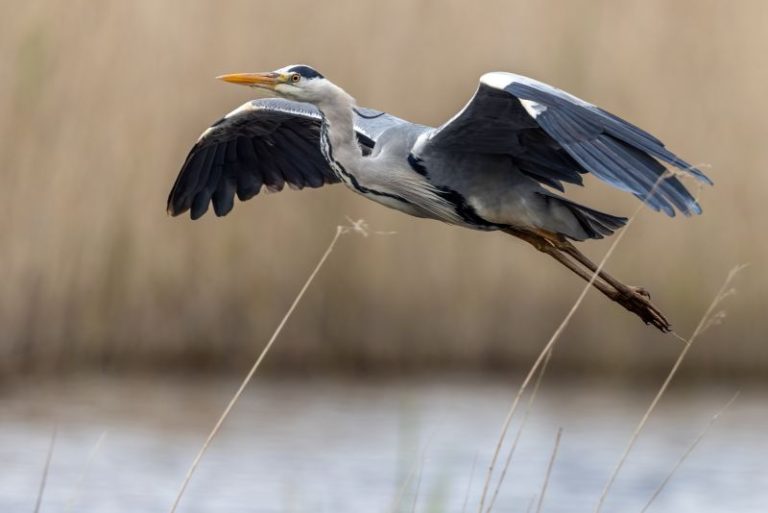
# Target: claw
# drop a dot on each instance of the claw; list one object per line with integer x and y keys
{"x": 642, "y": 291}
{"x": 639, "y": 304}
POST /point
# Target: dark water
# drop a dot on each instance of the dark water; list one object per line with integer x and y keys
{"x": 330, "y": 446}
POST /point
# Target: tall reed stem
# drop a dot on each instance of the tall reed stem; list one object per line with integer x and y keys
{"x": 340, "y": 230}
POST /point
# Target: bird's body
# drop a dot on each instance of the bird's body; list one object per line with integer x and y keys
{"x": 494, "y": 166}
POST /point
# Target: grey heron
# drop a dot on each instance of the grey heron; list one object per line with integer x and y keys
{"x": 498, "y": 164}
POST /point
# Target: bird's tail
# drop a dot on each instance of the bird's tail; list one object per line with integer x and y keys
{"x": 589, "y": 223}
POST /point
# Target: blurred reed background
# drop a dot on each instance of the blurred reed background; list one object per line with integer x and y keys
{"x": 100, "y": 101}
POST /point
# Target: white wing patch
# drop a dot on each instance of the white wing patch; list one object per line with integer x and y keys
{"x": 423, "y": 139}
{"x": 270, "y": 104}
{"x": 533, "y": 109}
{"x": 246, "y": 107}
{"x": 500, "y": 80}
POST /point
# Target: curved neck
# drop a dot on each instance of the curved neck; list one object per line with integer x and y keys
{"x": 338, "y": 128}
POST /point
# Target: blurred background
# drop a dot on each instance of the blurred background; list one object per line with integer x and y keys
{"x": 104, "y": 296}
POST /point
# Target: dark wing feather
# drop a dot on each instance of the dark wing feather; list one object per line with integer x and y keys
{"x": 555, "y": 137}
{"x": 266, "y": 143}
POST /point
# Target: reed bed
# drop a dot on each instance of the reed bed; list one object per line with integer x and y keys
{"x": 99, "y": 104}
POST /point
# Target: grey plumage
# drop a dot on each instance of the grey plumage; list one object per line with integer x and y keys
{"x": 496, "y": 165}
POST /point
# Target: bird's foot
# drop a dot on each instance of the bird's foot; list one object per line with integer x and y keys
{"x": 637, "y": 300}
{"x": 642, "y": 291}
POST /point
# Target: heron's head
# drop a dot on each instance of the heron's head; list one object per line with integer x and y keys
{"x": 296, "y": 82}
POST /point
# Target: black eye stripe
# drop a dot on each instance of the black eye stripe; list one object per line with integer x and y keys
{"x": 305, "y": 71}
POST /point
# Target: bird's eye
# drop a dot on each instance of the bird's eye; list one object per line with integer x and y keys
{"x": 295, "y": 77}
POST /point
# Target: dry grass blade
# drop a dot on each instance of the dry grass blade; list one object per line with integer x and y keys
{"x": 530, "y": 504}
{"x": 84, "y": 475}
{"x": 519, "y": 433}
{"x": 547, "y": 350}
{"x": 404, "y": 487}
{"x": 46, "y": 469}
{"x": 418, "y": 485}
{"x": 469, "y": 485}
{"x": 549, "y": 471}
{"x": 704, "y": 323}
{"x": 688, "y": 452}
{"x": 416, "y": 469}
{"x": 340, "y": 230}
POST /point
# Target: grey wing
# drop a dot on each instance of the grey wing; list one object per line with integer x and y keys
{"x": 554, "y": 137}
{"x": 264, "y": 143}
{"x": 373, "y": 123}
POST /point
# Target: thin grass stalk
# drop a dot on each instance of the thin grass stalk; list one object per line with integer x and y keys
{"x": 339, "y": 231}
{"x": 469, "y": 485}
{"x": 688, "y": 452}
{"x": 79, "y": 486}
{"x": 46, "y": 470}
{"x": 549, "y": 470}
{"x": 545, "y": 351}
{"x": 705, "y": 321}
{"x": 416, "y": 468}
{"x": 404, "y": 487}
{"x": 519, "y": 433}
{"x": 418, "y": 484}
{"x": 531, "y": 503}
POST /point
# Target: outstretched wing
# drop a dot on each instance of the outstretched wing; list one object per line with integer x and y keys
{"x": 555, "y": 137}
{"x": 264, "y": 143}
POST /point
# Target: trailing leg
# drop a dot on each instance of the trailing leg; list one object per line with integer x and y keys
{"x": 633, "y": 299}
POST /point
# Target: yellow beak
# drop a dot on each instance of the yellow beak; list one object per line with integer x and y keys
{"x": 266, "y": 80}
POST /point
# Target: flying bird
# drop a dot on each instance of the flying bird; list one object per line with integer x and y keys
{"x": 497, "y": 165}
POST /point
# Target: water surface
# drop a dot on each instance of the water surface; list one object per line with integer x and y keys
{"x": 345, "y": 446}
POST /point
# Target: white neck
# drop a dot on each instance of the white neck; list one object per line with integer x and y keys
{"x": 396, "y": 186}
{"x": 339, "y": 124}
